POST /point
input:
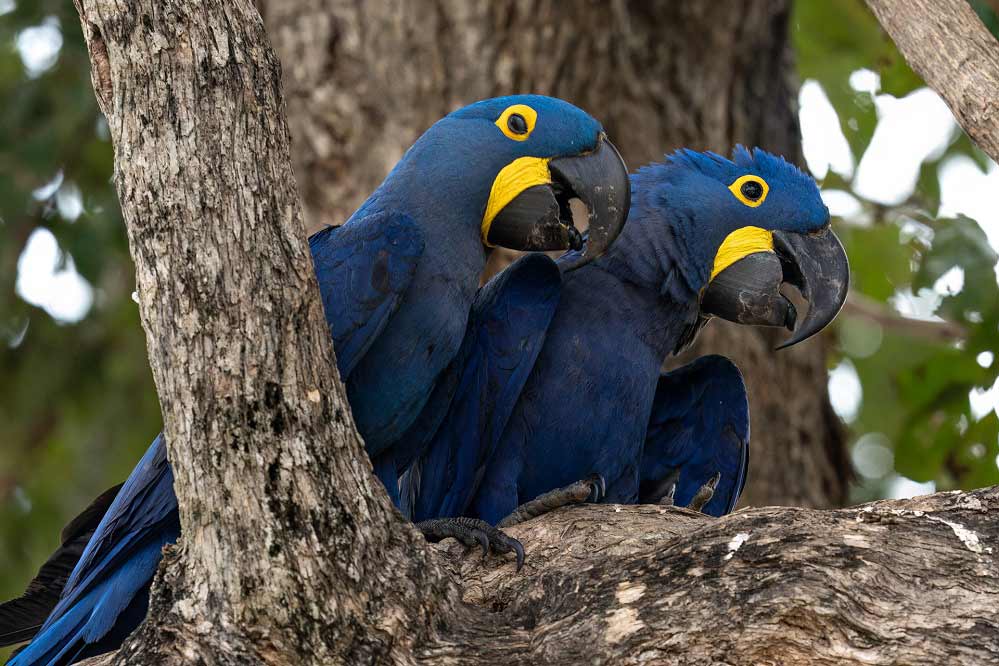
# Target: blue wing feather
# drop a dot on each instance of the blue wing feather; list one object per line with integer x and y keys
{"x": 364, "y": 269}
{"x": 21, "y": 618}
{"x": 506, "y": 331}
{"x": 699, "y": 426}
{"x": 115, "y": 569}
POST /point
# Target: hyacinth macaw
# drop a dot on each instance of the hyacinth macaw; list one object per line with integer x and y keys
{"x": 558, "y": 393}
{"x": 397, "y": 283}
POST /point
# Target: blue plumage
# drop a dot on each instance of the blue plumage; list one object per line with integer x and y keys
{"x": 397, "y": 282}
{"x": 699, "y": 426}
{"x": 375, "y": 258}
{"x": 506, "y": 331}
{"x": 596, "y": 400}
{"x": 106, "y": 595}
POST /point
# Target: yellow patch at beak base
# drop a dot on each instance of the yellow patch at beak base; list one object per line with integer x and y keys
{"x": 514, "y": 178}
{"x": 741, "y": 243}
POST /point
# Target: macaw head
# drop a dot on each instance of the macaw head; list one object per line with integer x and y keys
{"x": 744, "y": 227}
{"x": 515, "y": 163}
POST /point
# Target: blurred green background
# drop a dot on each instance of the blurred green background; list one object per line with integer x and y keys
{"x": 914, "y": 373}
{"x": 77, "y": 403}
{"x": 914, "y": 376}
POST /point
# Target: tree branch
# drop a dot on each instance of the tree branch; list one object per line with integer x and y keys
{"x": 892, "y": 582}
{"x": 947, "y": 45}
{"x": 858, "y": 305}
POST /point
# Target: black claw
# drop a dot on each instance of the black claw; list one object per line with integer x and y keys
{"x": 511, "y": 544}
{"x": 472, "y": 531}
{"x": 483, "y": 541}
{"x": 670, "y": 497}
{"x": 501, "y": 544}
{"x": 598, "y": 488}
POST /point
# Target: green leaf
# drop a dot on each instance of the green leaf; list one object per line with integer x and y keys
{"x": 879, "y": 263}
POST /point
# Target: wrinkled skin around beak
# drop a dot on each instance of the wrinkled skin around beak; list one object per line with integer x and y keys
{"x": 748, "y": 291}
{"x": 539, "y": 218}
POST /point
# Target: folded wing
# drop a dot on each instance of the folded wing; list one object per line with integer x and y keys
{"x": 506, "y": 331}
{"x": 699, "y": 426}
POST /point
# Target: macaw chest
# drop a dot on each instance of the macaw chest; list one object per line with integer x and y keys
{"x": 588, "y": 417}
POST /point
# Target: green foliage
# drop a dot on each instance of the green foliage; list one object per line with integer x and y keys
{"x": 879, "y": 262}
{"x": 77, "y": 405}
{"x": 831, "y": 39}
{"x": 915, "y": 389}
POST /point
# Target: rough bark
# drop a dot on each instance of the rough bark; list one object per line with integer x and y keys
{"x": 892, "y": 582}
{"x": 291, "y": 551}
{"x": 364, "y": 79}
{"x": 947, "y": 45}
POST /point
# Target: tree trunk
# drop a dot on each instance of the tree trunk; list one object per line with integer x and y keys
{"x": 291, "y": 552}
{"x": 364, "y": 79}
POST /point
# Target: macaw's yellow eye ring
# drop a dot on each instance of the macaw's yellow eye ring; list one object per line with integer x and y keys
{"x": 517, "y": 122}
{"x": 750, "y": 190}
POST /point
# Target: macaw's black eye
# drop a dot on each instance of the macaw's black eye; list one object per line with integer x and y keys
{"x": 752, "y": 190}
{"x": 516, "y": 123}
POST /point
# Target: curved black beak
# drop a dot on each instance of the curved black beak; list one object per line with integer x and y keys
{"x": 540, "y": 219}
{"x": 817, "y": 265}
{"x": 748, "y": 291}
{"x": 600, "y": 180}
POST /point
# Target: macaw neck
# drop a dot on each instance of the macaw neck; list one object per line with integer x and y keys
{"x": 648, "y": 255}
{"x": 437, "y": 193}
{"x": 644, "y": 264}
{"x": 673, "y": 226}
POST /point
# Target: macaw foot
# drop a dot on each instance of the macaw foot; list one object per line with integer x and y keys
{"x": 700, "y": 498}
{"x": 593, "y": 489}
{"x": 472, "y": 531}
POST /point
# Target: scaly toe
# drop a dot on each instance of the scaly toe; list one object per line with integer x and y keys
{"x": 704, "y": 493}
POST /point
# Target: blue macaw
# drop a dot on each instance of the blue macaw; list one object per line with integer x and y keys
{"x": 558, "y": 393}
{"x": 397, "y": 282}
